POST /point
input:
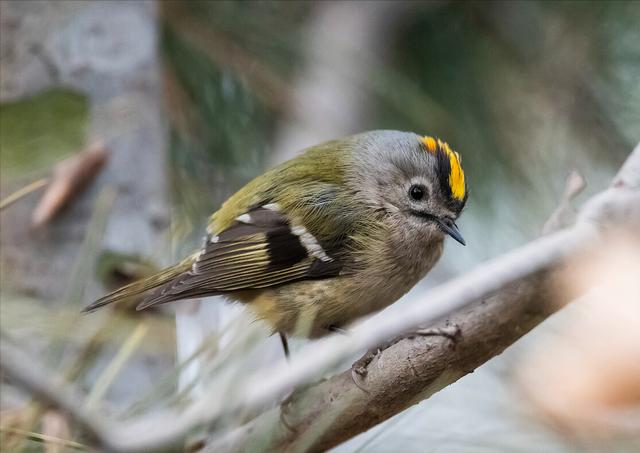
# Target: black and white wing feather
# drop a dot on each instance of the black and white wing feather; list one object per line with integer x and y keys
{"x": 261, "y": 248}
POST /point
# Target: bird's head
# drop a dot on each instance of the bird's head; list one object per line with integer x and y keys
{"x": 417, "y": 181}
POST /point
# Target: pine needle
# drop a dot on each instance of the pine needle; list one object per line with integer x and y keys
{"x": 43, "y": 438}
{"x": 23, "y": 192}
{"x": 113, "y": 369}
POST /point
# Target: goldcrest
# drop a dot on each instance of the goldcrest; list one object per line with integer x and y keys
{"x": 339, "y": 232}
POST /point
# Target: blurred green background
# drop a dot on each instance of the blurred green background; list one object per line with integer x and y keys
{"x": 525, "y": 91}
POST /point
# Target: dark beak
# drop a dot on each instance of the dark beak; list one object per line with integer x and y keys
{"x": 449, "y": 226}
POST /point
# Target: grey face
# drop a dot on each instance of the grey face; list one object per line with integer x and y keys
{"x": 401, "y": 177}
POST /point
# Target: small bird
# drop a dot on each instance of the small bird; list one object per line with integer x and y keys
{"x": 339, "y": 232}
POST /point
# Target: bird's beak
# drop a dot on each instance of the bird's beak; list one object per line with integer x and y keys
{"x": 449, "y": 226}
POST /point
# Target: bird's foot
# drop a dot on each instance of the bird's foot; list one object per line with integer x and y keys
{"x": 450, "y": 331}
{"x": 336, "y": 329}
{"x": 285, "y": 344}
{"x": 359, "y": 367}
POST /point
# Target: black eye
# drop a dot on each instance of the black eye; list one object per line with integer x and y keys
{"x": 417, "y": 192}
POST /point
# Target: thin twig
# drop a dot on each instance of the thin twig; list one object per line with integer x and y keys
{"x": 23, "y": 192}
{"x": 113, "y": 369}
{"x": 51, "y": 390}
{"x": 38, "y": 437}
{"x": 574, "y": 184}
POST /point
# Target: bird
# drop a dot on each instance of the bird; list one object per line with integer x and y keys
{"x": 339, "y": 232}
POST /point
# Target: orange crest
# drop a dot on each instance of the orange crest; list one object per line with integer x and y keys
{"x": 456, "y": 174}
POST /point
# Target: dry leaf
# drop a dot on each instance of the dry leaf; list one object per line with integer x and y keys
{"x": 69, "y": 178}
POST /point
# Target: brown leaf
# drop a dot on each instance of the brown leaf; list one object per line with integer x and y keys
{"x": 69, "y": 179}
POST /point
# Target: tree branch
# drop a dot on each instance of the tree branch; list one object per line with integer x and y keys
{"x": 52, "y": 391}
{"x": 332, "y": 411}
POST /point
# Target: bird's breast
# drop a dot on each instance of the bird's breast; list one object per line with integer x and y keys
{"x": 308, "y": 308}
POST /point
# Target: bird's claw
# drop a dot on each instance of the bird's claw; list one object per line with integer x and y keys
{"x": 449, "y": 331}
{"x": 359, "y": 367}
{"x": 357, "y": 377}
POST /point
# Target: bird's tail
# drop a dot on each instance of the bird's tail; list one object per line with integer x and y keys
{"x": 139, "y": 287}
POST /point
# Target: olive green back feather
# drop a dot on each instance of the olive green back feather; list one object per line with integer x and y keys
{"x": 290, "y": 184}
{"x": 308, "y": 188}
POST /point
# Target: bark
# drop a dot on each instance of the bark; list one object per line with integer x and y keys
{"x": 413, "y": 369}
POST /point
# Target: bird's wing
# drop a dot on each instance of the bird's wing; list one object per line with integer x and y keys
{"x": 261, "y": 248}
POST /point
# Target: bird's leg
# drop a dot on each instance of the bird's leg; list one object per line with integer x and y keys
{"x": 285, "y": 344}
{"x": 336, "y": 329}
{"x": 449, "y": 331}
{"x": 359, "y": 367}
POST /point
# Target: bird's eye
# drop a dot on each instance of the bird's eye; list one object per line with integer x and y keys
{"x": 417, "y": 192}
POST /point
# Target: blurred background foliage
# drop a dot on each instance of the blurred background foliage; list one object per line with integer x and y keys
{"x": 224, "y": 90}
{"x": 526, "y": 91}
{"x": 35, "y": 135}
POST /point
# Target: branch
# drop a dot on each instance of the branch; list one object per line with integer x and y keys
{"x": 332, "y": 411}
{"x": 54, "y": 392}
